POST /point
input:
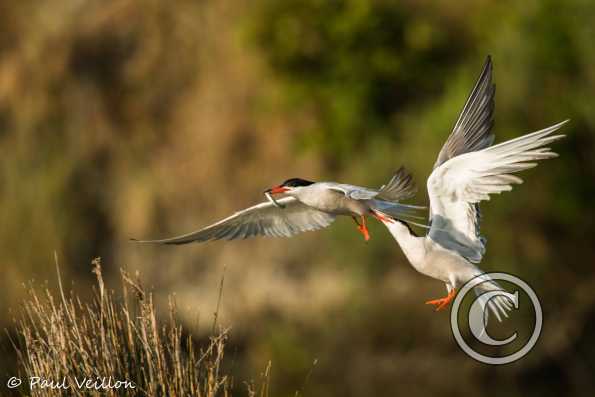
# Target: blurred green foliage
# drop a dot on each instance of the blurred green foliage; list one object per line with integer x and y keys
{"x": 355, "y": 63}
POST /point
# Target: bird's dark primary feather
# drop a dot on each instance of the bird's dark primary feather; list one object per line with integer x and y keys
{"x": 473, "y": 129}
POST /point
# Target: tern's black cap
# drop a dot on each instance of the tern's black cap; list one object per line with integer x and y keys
{"x": 295, "y": 182}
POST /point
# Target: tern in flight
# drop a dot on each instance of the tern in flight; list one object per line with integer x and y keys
{"x": 467, "y": 171}
{"x": 309, "y": 206}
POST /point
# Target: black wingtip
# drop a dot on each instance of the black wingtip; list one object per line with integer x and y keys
{"x": 488, "y": 62}
{"x": 487, "y": 66}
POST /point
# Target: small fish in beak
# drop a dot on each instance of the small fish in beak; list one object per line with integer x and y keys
{"x": 269, "y": 197}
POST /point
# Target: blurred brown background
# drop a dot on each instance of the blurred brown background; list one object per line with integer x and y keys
{"x": 148, "y": 119}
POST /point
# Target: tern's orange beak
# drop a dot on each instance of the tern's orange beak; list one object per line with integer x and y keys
{"x": 277, "y": 190}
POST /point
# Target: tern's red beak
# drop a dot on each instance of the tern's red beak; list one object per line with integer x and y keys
{"x": 278, "y": 190}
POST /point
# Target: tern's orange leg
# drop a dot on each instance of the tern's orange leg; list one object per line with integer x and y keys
{"x": 443, "y": 302}
{"x": 362, "y": 227}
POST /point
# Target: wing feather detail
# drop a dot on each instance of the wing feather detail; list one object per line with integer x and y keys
{"x": 263, "y": 219}
{"x": 472, "y": 131}
{"x": 457, "y": 186}
{"x": 401, "y": 186}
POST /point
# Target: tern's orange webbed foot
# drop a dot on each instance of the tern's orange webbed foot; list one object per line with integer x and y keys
{"x": 443, "y": 302}
{"x": 362, "y": 227}
{"x": 364, "y": 230}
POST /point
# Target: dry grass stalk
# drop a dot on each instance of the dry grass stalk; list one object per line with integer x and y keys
{"x": 67, "y": 340}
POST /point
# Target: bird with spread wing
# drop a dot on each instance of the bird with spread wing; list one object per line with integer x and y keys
{"x": 308, "y": 206}
{"x": 468, "y": 170}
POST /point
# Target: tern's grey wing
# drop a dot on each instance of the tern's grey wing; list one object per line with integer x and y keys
{"x": 400, "y": 187}
{"x": 353, "y": 191}
{"x": 264, "y": 219}
{"x": 460, "y": 184}
{"x": 472, "y": 131}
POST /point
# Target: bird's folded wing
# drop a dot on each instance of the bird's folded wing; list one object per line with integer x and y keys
{"x": 264, "y": 219}
{"x": 472, "y": 131}
{"x": 353, "y": 191}
{"x": 457, "y": 186}
{"x": 400, "y": 187}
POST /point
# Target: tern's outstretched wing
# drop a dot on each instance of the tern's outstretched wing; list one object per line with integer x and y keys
{"x": 264, "y": 219}
{"x": 456, "y": 186}
{"x": 472, "y": 131}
